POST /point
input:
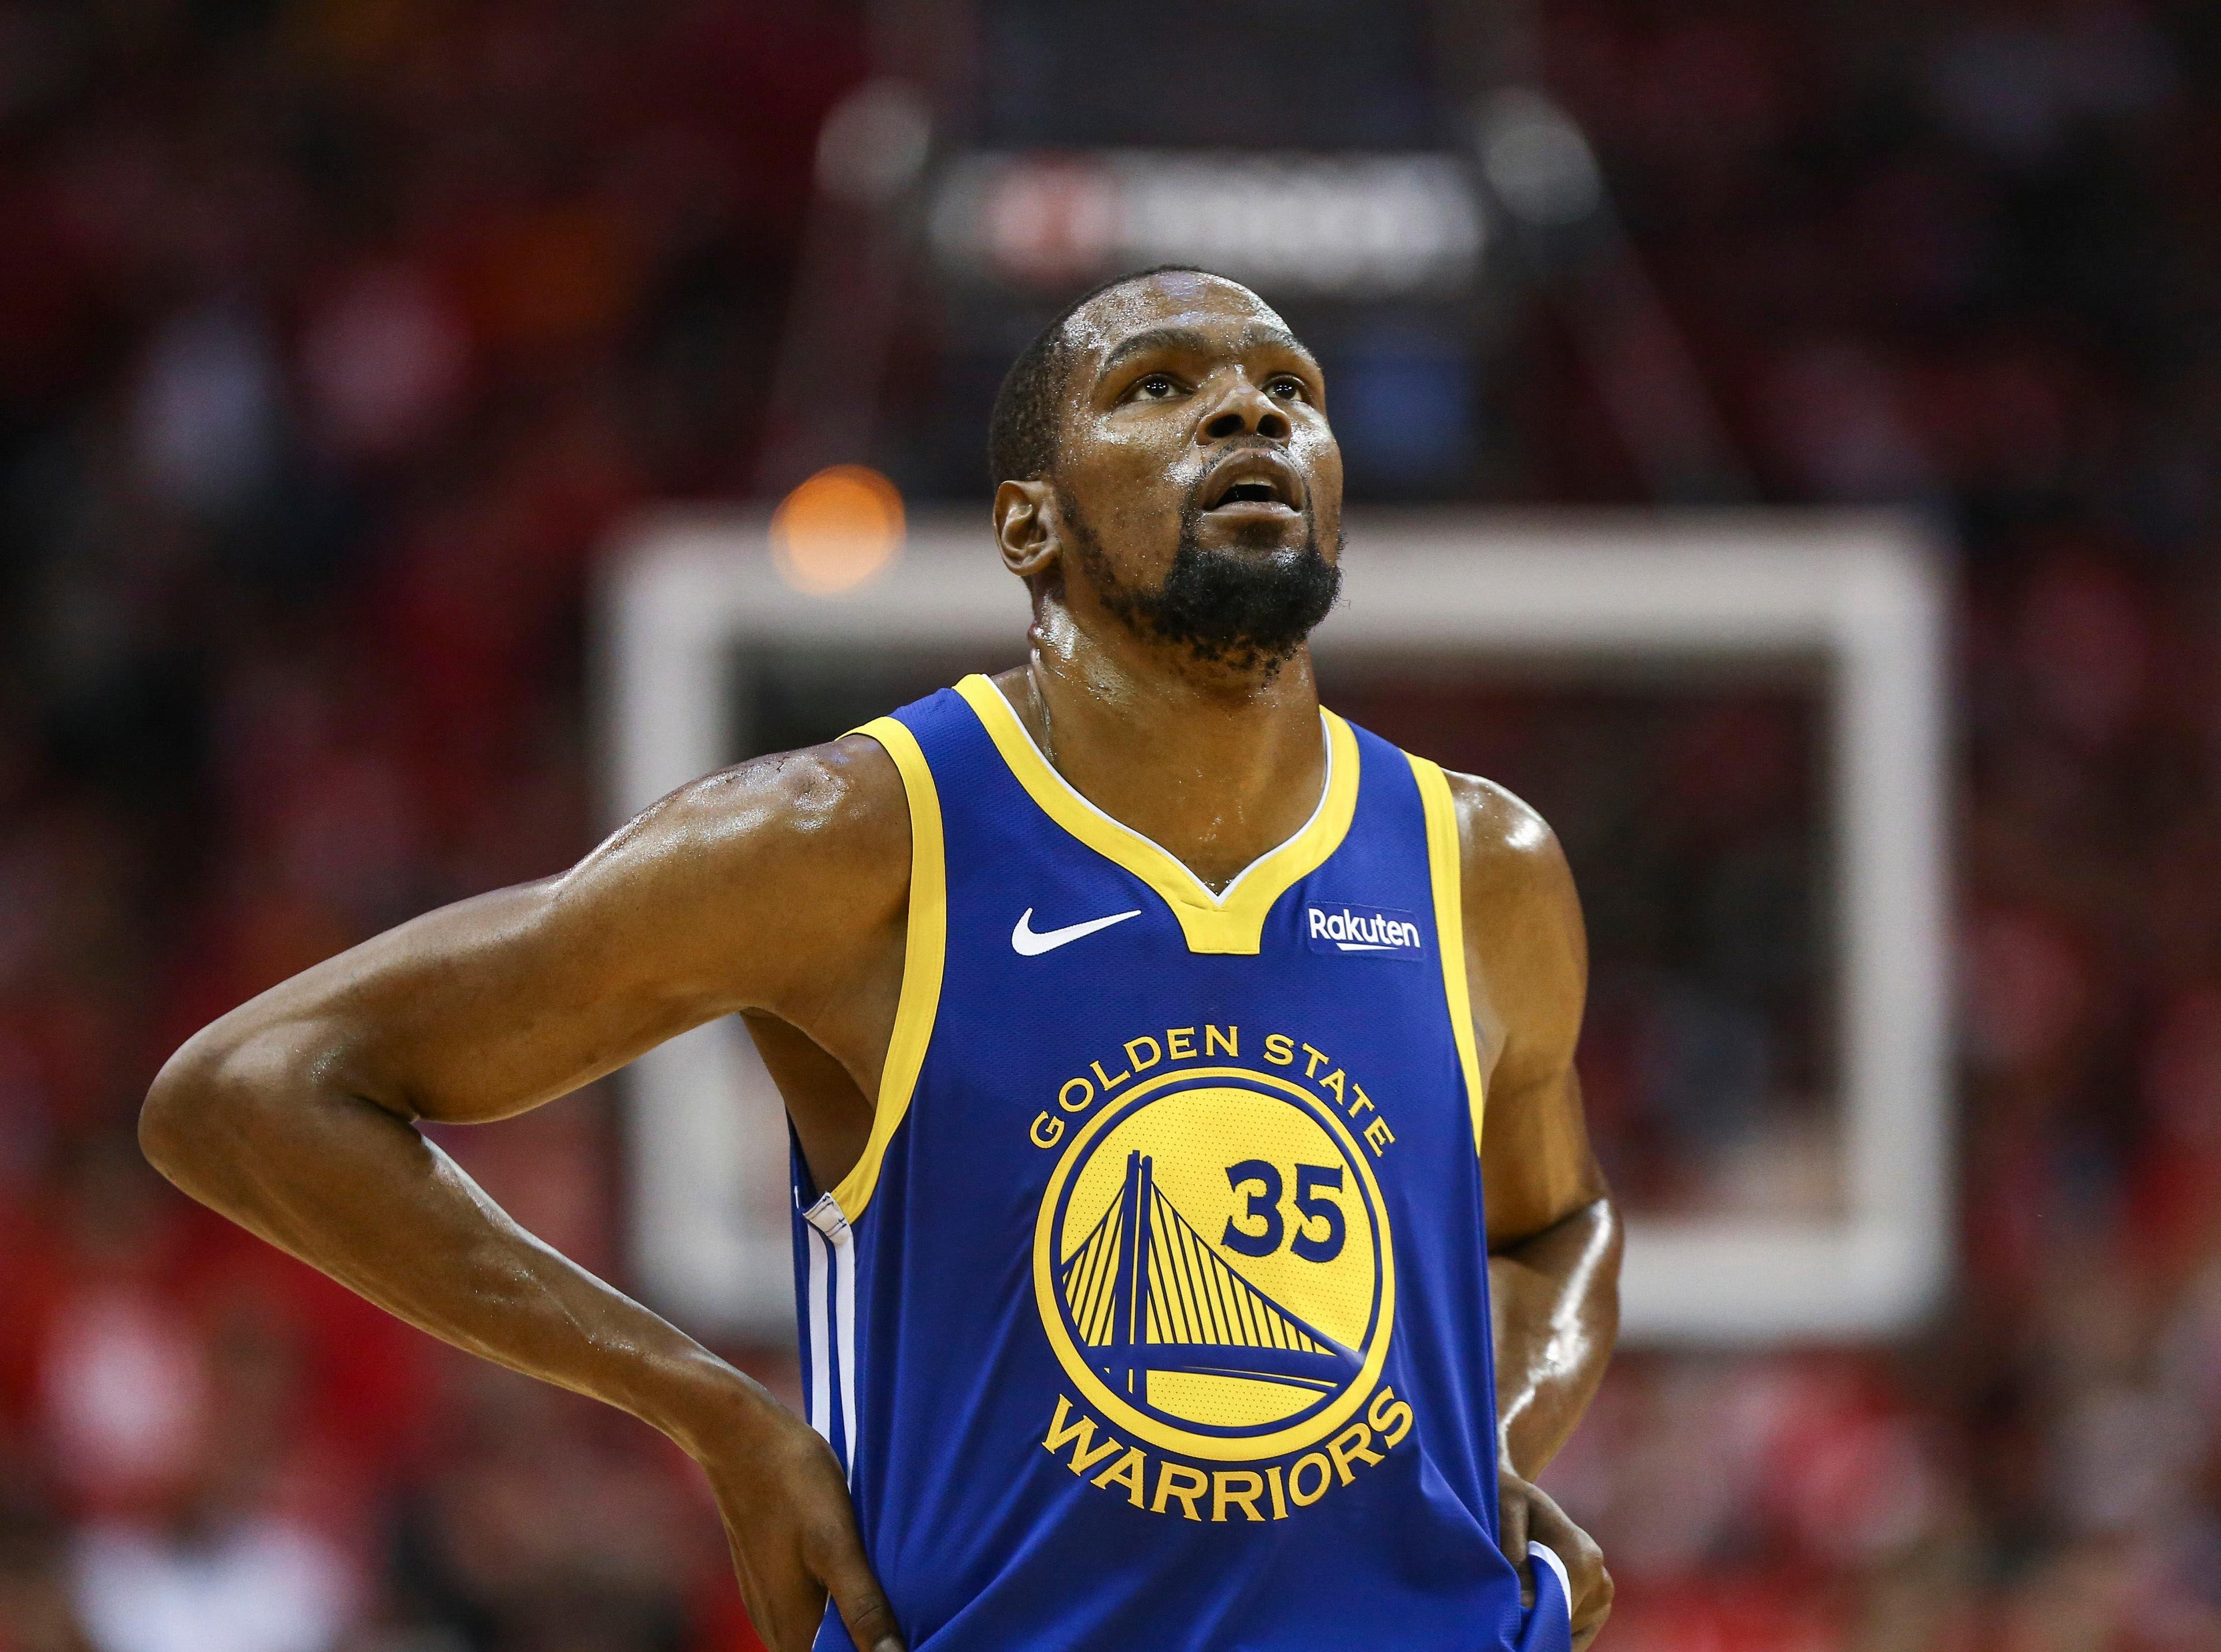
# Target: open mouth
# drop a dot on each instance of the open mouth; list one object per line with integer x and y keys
{"x": 1250, "y": 482}
{"x": 1251, "y": 494}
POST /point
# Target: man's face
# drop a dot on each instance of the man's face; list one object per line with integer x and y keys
{"x": 1198, "y": 484}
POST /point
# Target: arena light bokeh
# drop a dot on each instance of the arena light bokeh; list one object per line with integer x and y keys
{"x": 837, "y": 530}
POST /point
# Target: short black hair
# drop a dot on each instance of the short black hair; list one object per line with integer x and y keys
{"x": 1022, "y": 431}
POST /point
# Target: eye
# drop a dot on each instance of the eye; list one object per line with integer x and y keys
{"x": 1288, "y": 385}
{"x": 1155, "y": 387}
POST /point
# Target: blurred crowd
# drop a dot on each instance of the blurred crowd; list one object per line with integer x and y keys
{"x": 335, "y": 334}
{"x": 1964, "y": 257}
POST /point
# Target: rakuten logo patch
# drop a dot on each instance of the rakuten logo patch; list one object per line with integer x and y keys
{"x": 1379, "y": 930}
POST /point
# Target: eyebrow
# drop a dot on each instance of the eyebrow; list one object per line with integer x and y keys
{"x": 1194, "y": 340}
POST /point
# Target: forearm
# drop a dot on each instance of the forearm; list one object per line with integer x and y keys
{"x": 1555, "y": 1304}
{"x": 351, "y": 1189}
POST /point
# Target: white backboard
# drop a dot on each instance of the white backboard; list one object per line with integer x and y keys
{"x": 689, "y": 592}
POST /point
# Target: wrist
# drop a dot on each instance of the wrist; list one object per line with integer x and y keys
{"x": 700, "y": 1402}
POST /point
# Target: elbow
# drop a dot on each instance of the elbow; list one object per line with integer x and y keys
{"x": 200, "y": 1112}
{"x": 175, "y": 1119}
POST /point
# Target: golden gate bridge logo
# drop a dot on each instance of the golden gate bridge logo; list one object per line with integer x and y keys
{"x": 1146, "y": 1292}
{"x": 1213, "y": 1266}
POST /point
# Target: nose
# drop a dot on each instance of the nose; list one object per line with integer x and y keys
{"x": 1245, "y": 409}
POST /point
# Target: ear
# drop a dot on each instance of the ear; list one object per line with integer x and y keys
{"x": 1027, "y": 531}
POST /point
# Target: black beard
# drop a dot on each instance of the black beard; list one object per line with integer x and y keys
{"x": 1244, "y": 612}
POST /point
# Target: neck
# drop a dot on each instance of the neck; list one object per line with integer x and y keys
{"x": 1217, "y": 766}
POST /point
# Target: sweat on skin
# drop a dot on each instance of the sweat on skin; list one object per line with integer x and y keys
{"x": 1184, "y": 419}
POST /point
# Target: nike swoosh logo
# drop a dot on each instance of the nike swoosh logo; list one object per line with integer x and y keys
{"x": 1027, "y": 943}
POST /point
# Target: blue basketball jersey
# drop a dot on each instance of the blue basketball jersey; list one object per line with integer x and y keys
{"x": 1155, "y": 1314}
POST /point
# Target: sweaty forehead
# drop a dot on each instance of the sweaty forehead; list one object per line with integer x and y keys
{"x": 1207, "y": 303}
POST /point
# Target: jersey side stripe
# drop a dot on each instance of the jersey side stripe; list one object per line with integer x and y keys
{"x": 820, "y": 1356}
{"x": 1444, "y": 863}
{"x": 924, "y": 954}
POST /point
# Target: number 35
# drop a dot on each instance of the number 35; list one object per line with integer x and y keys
{"x": 1264, "y": 1208}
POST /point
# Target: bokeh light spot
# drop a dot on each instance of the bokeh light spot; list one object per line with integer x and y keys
{"x": 838, "y": 530}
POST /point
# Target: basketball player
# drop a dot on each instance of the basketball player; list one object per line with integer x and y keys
{"x": 1178, "y": 1077}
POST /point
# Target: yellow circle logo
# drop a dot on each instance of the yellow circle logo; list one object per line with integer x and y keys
{"x": 1213, "y": 1266}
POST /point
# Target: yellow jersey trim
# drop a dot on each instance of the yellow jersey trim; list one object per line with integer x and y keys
{"x": 1445, "y": 865}
{"x": 924, "y": 950}
{"x": 1231, "y": 922}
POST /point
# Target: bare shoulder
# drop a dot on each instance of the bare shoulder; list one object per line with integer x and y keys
{"x": 843, "y": 798}
{"x": 1525, "y": 948}
{"x": 839, "y": 803}
{"x": 1510, "y": 858}
{"x": 811, "y": 846}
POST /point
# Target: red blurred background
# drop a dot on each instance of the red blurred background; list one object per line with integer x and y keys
{"x": 335, "y": 338}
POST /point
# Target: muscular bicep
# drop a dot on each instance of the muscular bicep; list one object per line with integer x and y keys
{"x": 1528, "y": 959}
{"x": 772, "y": 886}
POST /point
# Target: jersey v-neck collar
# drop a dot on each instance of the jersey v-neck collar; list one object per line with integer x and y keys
{"x": 1232, "y": 921}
